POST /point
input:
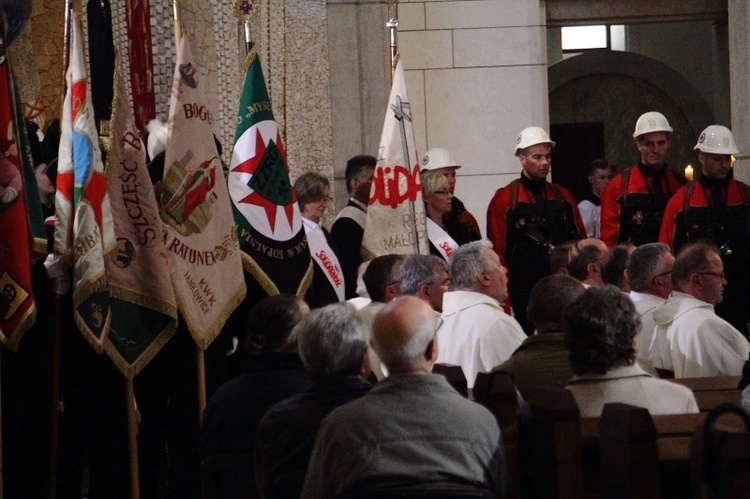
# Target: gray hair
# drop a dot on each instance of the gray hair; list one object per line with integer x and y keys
{"x": 467, "y": 263}
{"x": 332, "y": 341}
{"x": 418, "y": 270}
{"x": 645, "y": 264}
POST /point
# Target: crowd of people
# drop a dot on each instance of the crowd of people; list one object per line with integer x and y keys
{"x": 604, "y": 305}
{"x": 335, "y": 396}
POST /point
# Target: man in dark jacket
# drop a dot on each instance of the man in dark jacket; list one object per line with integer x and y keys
{"x": 333, "y": 347}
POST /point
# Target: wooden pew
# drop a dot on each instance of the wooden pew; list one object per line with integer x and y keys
{"x": 625, "y": 453}
{"x": 455, "y": 376}
{"x": 721, "y": 456}
{"x": 497, "y": 393}
{"x": 556, "y": 445}
{"x": 640, "y": 452}
{"x": 711, "y": 391}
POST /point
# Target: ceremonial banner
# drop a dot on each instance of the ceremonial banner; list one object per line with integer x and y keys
{"x": 142, "y": 299}
{"x": 396, "y": 221}
{"x": 31, "y": 191}
{"x": 84, "y": 232}
{"x": 274, "y": 248}
{"x": 199, "y": 231}
{"x": 17, "y": 309}
{"x": 141, "y": 62}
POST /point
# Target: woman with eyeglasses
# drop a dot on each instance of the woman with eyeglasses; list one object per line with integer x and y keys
{"x": 313, "y": 195}
{"x": 437, "y": 203}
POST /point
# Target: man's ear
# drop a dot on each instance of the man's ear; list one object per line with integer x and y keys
{"x": 696, "y": 281}
{"x": 593, "y": 269}
{"x": 483, "y": 279}
{"x": 432, "y": 350}
{"x": 424, "y": 292}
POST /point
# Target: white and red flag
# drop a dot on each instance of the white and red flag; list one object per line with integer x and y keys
{"x": 396, "y": 220}
{"x": 84, "y": 232}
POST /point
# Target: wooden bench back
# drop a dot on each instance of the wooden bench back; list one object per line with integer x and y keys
{"x": 624, "y": 453}
{"x": 497, "y": 393}
{"x": 713, "y": 391}
{"x": 454, "y": 375}
{"x": 720, "y": 454}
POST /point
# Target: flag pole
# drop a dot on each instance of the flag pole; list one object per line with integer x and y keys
{"x": 3, "y": 26}
{"x": 66, "y": 44}
{"x": 177, "y": 24}
{"x": 135, "y": 485}
{"x": 392, "y": 25}
{"x": 57, "y": 403}
{"x": 200, "y": 365}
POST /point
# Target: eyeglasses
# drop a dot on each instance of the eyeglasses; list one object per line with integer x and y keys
{"x": 443, "y": 192}
{"x": 663, "y": 274}
{"x": 446, "y": 283}
{"x": 327, "y": 199}
{"x": 720, "y": 275}
{"x": 392, "y": 283}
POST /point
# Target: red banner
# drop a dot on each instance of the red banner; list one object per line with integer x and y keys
{"x": 141, "y": 63}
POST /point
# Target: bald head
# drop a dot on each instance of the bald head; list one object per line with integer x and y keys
{"x": 403, "y": 336}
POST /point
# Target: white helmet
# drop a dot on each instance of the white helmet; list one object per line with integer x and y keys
{"x": 651, "y": 122}
{"x": 532, "y": 136}
{"x": 717, "y": 139}
{"x": 437, "y": 158}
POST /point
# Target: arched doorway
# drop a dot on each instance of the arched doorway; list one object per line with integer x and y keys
{"x": 607, "y": 91}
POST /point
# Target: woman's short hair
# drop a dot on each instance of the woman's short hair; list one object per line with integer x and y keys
{"x": 310, "y": 187}
{"x": 433, "y": 182}
{"x": 599, "y": 330}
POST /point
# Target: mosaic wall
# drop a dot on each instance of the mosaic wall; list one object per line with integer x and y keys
{"x": 290, "y": 36}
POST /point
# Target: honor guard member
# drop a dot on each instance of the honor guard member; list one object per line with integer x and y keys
{"x": 460, "y": 224}
{"x": 349, "y": 227}
{"x": 714, "y": 209}
{"x": 634, "y": 201}
{"x": 527, "y": 218}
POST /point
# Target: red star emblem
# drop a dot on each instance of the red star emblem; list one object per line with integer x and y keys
{"x": 249, "y": 166}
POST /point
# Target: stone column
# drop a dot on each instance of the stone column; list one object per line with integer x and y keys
{"x": 359, "y": 61}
